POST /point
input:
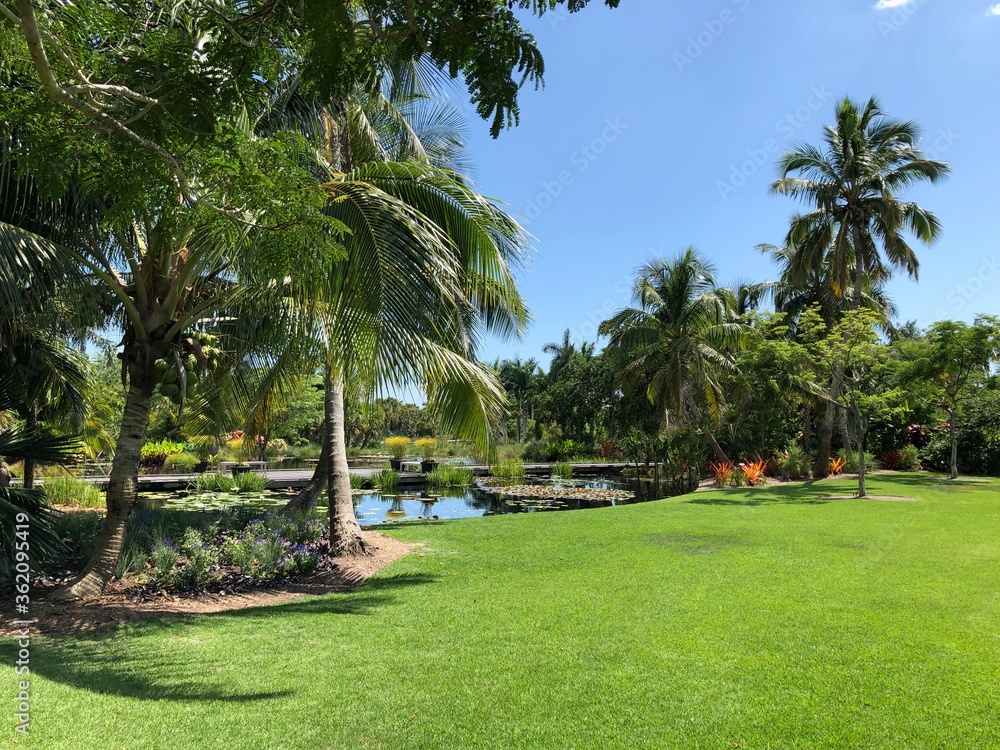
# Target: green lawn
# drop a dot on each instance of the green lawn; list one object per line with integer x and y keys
{"x": 735, "y": 619}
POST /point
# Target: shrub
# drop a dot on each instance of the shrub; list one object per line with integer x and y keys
{"x": 154, "y": 455}
{"x": 562, "y": 470}
{"x": 397, "y": 446}
{"x": 755, "y": 473}
{"x": 534, "y": 450}
{"x": 387, "y": 480}
{"x": 425, "y": 447}
{"x": 446, "y": 475}
{"x": 164, "y": 557}
{"x": 73, "y": 492}
{"x": 610, "y": 450}
{"x": 357, "y": 481}
{"x": 909, "y": 458}
{"x": 794, "y": 463}
{"x": 722, "y": 472}
{"x": 182, "y": 463}
{"x": 851, "y": 464}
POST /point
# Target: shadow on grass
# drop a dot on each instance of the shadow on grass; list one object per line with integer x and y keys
{"x": 135, "y": 663}
{"x": 807, "y": 493}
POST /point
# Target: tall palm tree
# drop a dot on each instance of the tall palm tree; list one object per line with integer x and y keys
{"x": 519, "y": 379}
{"x": 678, "y": 340}
{"x": 858, "y": 223}
{"x": 562, "y": 352}
{"x": 428, "y": 270}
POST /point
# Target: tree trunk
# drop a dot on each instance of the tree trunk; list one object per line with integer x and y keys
{"x": 845, "y": 433}
{"x": 346, "y": 538}
{"x": 31, "y": 429}
{"x": 953, "y": 430}
{"x": 308, "y": 495}
{"x": 862, "y": 468}
{"x": 123, "y": 486}
{"x": 706, "y": 433}
{"x": 821, "y": 470}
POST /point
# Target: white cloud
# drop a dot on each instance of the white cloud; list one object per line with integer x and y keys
{"x": 994, "y": 10}
{"x": 890, "y": 4}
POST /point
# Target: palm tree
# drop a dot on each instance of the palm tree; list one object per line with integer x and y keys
{"x": 678, "y": 340}
{"x": 857, "y": 222}
{"x": 519, "y": 380}
{"x": 561, "y": 352}
{"x": 428, "y": 270}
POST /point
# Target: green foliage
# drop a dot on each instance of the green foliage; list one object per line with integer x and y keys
{"x": 978, "y": 438}
{"x": 562, "y": 470}
{"x": 446, "y": 475}
{"x": 909, "y": 458}
{"x": 794, "y": 463}
{"x": 511, "y": 468}
{"x": 66, "y": 490}
{"x": 164, "y": 557}
{"x": 214, "y": 481}
{"x": 249, "y": 482}
{"x": 357, "y": 481}
{"x": 386, "y": 480}
{"x": 397, "y": 446}
{"x": 852, "y": 463}
{"x": 181, "y": 463}
{"x": 154, "y": 454}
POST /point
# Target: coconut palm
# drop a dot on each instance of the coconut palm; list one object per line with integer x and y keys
{"x": 857, "y": 223}
{"x": 678, "y": 340}
{"x": 428, "y": 270}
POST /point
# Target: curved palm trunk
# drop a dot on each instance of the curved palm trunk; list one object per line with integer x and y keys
{"x": 346, "y": 538}
{"x": 308, "y": 495}
{"x": 706, "y": 433}
{"x": 122, "y": 493}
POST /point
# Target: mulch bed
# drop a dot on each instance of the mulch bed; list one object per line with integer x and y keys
{"x": 122, "y": 602}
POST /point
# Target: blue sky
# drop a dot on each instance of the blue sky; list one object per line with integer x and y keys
{"x": 660, "y": 124}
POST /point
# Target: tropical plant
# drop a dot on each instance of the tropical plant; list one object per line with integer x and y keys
{"x": 755, "y": 472}
{"x": 837, "y": 465}
{"x": 425, "y": 447}
{"x": 386, "y": 480}
{"x": 857, "y": 224}
{"x": 397, "y": 446}
{"x": 794, "y": 463}
{"x": 678, "y": 342}
{"x": 447, "y": 475}
{"x": 722, "y": 472}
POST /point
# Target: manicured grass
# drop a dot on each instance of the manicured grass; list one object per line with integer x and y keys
{"x": 730, "y": 619}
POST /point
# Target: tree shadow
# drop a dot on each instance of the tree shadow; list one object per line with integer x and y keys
{"x": 132, "y": 663}
{"x": 806, "y": 493}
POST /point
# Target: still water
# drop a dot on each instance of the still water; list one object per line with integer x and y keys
{"x": 373, "y": 508}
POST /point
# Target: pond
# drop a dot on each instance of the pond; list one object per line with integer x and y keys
{"x": 374, "y": 508}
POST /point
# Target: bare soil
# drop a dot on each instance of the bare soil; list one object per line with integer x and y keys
{"x": 121, "y": 604}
